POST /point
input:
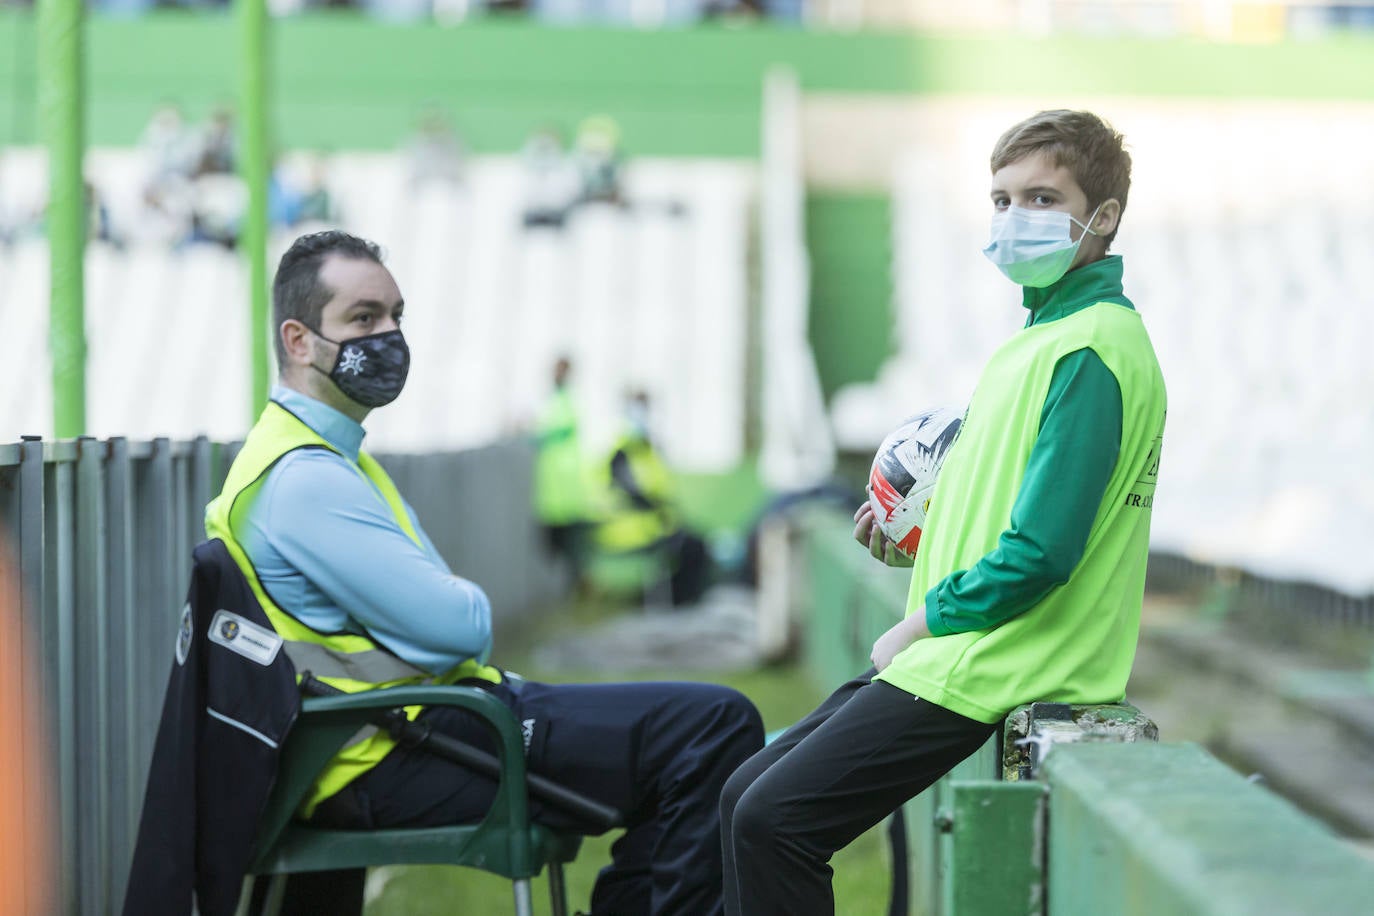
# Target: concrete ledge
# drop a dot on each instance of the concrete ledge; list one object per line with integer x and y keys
{"x": 1166, "y": 828}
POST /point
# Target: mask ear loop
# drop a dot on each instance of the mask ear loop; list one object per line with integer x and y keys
{"x": 1088, "y": 226}
{"x": 337, "y": 356}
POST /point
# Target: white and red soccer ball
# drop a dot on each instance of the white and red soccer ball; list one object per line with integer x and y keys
{"x": 904, "y": 472}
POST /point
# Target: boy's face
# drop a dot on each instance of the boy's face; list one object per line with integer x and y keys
{"x": 1034, "y": 182}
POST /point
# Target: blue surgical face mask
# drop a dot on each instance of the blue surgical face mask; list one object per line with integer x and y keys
{"x": 1034, "y": 247}
{"x": 637, "y": 418}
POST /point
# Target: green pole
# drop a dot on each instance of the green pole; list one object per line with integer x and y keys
{"x": 254, "y": 166}
{"x": 63, "y": 121}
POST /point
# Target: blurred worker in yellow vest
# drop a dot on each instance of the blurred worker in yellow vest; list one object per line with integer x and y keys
{"x": 640, "y": 514}
{"x": 560, "y": 485}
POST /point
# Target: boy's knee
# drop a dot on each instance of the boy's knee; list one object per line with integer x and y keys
{"x": 735, "y": 786}
{"x": 754, "y": 818}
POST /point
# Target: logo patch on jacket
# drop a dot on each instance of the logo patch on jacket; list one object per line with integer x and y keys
{"x": 240, "y": 635}
{"x": 185, "y": 630}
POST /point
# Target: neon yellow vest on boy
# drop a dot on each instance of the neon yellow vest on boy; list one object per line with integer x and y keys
{"x": 1077, "y": 644}
{"x": 350, "y": 662}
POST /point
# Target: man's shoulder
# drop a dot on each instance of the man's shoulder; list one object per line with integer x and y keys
{"x": 311, "y": 456}
{"x": 310, "y": 471}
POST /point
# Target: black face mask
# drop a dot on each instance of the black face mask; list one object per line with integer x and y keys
{"x": 370, "y": 370}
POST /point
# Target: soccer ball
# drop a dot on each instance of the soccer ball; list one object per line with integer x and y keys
{"x": 904, "y": 471}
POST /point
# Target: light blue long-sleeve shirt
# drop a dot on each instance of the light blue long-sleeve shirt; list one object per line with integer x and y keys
{"x": 329, "y": 551}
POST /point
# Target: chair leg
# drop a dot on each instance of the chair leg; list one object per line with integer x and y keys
{"x": 524, "y": 903}
{"x": 558, "y": 894}
{"x": 276, "y": 893}
{"x": 245, "y": 906}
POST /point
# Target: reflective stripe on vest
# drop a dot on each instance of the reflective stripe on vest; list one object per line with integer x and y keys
{"x": 375, "y": 666}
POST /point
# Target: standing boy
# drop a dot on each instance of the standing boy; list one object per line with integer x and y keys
{"x": 1028, "y": 582}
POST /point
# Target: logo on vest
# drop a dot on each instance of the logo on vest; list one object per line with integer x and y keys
{"x": 241, "y": 636}
{"x": 1142, "y": 494}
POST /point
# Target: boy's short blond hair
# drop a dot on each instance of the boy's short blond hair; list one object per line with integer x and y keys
{"x": 1080, "y": 141}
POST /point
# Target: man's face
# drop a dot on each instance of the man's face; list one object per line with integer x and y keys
{"x": 366, "y": 300}
{"x": 1035, "y": 182}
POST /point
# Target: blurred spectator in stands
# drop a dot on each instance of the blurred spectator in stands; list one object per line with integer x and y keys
{"x": 398, "y": 10}
{"x": 732, "y": 11}
{"x": 167, "y": 210}
{"x": 598, "y": 157}
{"x": 217, "y": 144}
{"x": 219, "y": 200}
{"x": 169, "y": 146}
{"x": 219, "y": 204}
{"x": 644, "y": 15}
{"x": 298, "y": 194}
{"x": 122, "y": 8}
{"x": 98, "y": 225}
{"x": 551, "y": 179}
{"x": 170, "y": 149}
{"x": 435, "y": 151}
{"x": 640, "y": 514}
{"x": 560, "y": 484}
{"x": 32, "y": 221}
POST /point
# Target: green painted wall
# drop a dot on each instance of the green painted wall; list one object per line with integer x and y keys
{"x": 345, "y": 81}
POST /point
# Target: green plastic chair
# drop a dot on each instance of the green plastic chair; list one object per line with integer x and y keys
{"x": 505, "y": 842}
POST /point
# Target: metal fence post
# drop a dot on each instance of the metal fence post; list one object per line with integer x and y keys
{"x": 40, "y": 790}
{"x": 91, "y": 675}
{"x": 155, "y": 601}
{"x": 125, "y": 778}
{"x": 58, "y": 651}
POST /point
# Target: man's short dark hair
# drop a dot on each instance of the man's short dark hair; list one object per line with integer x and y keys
{"x": 297, "y": 291}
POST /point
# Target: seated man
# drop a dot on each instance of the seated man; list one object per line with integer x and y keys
{"x": 363, "y": 600}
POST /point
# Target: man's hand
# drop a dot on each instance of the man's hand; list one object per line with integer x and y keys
{"x": 906, "y": 632}
{"x": 867, "y": 533}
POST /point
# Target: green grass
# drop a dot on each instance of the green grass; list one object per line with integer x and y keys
{"x": 782, "y": 693}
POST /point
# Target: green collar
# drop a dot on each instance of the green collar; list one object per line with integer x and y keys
{"x": 1090, "y": 284}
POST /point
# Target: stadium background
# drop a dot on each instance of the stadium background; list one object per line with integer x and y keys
{"x": 1249, "y": 216}
{"x": 1246, "y": 240}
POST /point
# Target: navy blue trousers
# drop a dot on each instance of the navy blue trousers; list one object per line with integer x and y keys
{"x": 660, "y": 752}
